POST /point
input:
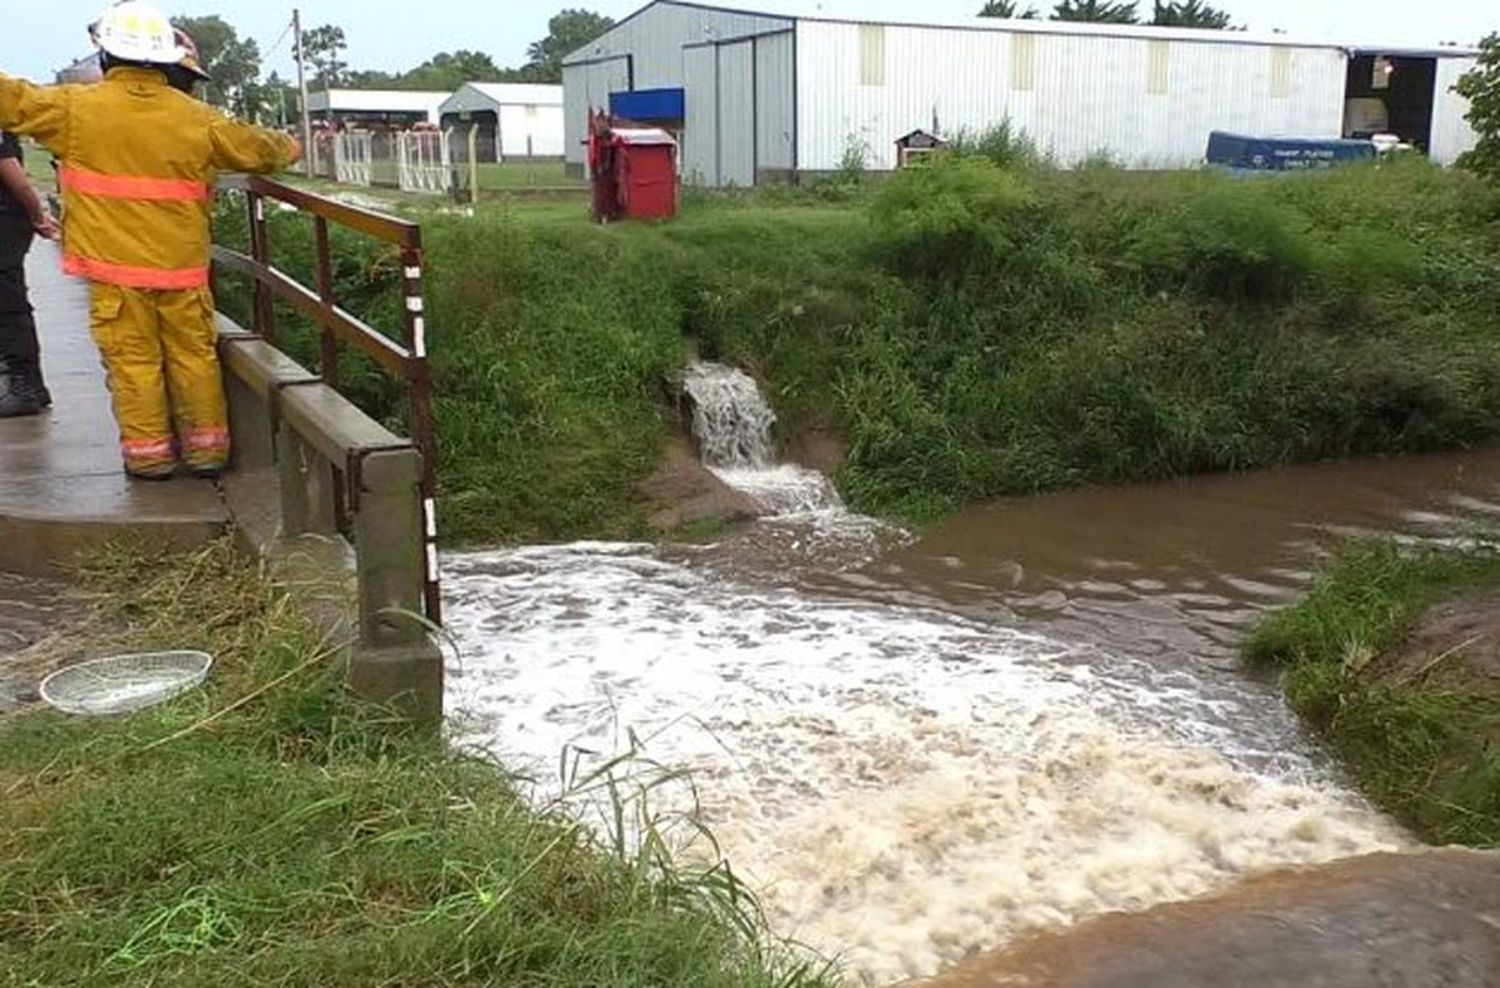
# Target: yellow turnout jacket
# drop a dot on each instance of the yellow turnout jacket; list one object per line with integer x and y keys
{"x": 139, "y": 160}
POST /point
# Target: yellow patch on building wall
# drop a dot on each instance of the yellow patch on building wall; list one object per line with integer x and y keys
{"x": 1023, "y": 62}
{"x": 1159, "y": 63}
{"x": 1281, "y": 73}
{"x": 872, "y": 54}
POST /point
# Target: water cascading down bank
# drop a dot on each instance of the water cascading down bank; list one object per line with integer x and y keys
{"x": 733, "y": 425}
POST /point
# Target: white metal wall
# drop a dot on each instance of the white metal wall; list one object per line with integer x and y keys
{"x": 654, "y": 38}
{"x": 531, "y": 130}
{"x": 775, "y": 101}
{"x": 585, "y": 88}
{"x": 1148, "y": 103}
{"x": 736, "y": 111}
{"x": 700, "y": 154}
{"x": 1451, "y": 133}
{"x": 740, "y": 110}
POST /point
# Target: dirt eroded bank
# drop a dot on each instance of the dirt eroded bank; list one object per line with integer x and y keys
{"x": 1387, "y": 919}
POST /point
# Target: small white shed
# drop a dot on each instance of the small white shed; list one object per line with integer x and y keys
{"x": 517, "y": 121}
{"x": 391, "y": 108}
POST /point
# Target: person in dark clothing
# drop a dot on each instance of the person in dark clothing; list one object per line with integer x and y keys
{"x": 22, "y": 217}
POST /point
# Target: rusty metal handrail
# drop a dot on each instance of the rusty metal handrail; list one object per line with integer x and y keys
{"x": 337, "y": 325}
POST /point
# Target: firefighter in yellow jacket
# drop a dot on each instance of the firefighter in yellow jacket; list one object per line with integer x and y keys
{"x": 138, "y": 162}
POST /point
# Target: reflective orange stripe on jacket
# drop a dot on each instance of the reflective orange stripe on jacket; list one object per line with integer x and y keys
{"x": 89, "y": 183}
{"x": 81, "y": 181}
{"x": 130, "y": 276}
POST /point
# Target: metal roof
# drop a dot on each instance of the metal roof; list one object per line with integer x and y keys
{"x": 898, "y": 13}
{"x": 375, "y": 101}
{"x": 514, "y": 94}
{"x": 648, "y": 136}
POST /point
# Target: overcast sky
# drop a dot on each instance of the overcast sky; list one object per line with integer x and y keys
{"x": 39, "y": 37}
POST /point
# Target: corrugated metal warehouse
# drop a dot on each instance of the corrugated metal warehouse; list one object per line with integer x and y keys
{"x": 363, "y": 107}
{"x": 791, "y": 88}
{"x": 517, "y": 121}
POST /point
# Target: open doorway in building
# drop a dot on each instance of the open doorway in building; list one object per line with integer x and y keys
{"x": 1390, "y": 94}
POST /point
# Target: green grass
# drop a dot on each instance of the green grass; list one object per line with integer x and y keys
{"x": 508, "y": 175}
{"x": 1427, "y": 752}
{"x": 971, "y": 332}
{"x": 265, "y": 831}
{"x": 39, "y": 166}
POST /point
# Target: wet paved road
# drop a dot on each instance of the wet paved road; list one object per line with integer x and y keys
{"x": 1405, "y": 921}
{"x": 62, "y": 488}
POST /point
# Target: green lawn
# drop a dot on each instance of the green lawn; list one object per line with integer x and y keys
{"x": 503, "y": 177}
{"x": 39, "y": 167}
{"x": 527, "y": 175}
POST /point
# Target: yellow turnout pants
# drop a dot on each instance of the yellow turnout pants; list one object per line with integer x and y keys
{"x": 158, "y": 349}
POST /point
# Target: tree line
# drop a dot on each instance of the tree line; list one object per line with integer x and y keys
{"x": 1173, "y": 13}
{"x": 235, "y": 64}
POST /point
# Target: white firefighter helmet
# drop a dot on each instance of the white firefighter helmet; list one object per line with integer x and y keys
{"x": 138, "y": 32}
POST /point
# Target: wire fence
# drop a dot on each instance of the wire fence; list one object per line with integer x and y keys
{"x": 426, "y": 161}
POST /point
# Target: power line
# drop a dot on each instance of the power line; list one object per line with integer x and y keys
{"x": 276, "y": 47}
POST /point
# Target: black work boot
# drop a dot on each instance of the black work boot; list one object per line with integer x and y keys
{"x": 38, "y": 387}
{"x": 17, "y": 399}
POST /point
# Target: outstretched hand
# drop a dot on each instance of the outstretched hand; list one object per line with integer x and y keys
{"x": 46, "y": 226}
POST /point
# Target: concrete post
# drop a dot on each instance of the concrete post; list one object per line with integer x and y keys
{"x": 395, "y": 660}
{"x": 306, "y": 483}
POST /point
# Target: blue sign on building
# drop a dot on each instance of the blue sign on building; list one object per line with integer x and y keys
{"x": 649, "y": 105}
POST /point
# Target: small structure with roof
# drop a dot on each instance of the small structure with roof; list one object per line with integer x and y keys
{"x": 916, "y": 145}
{"x": 515, "y": 121}
{"x": 374, "y": 109}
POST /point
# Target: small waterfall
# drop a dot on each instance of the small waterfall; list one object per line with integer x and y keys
{"x": 731, "y": 421}
{"x": 733, "y": 427}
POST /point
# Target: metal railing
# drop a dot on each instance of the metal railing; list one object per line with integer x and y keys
{"x": 406, "y": 361}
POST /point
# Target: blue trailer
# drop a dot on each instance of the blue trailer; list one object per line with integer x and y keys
{"x": 1243, "y": 153}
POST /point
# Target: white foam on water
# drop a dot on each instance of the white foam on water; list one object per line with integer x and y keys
{"x": 787, "y": 489}
{"x": 903, "y": 786}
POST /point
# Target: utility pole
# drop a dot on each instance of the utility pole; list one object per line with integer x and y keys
{"x": 307, "y": 141}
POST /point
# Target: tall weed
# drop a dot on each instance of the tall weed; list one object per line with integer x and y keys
{"x": 948, "y": 217}
{"x": 1002, "y": 144}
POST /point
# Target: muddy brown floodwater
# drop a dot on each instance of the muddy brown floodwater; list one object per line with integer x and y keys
{"x": 31, "y": 609}
{"x": 922, "y": 748}
{"x": 1176, "y": 571}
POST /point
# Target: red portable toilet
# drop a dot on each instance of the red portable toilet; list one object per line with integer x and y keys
{"x": 635, "y": 171}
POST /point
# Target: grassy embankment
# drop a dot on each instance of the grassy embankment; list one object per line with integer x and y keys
{"x": 970, "y": 330}
{"x": 1421, "y": 738}
{"x": 265, "y": 831}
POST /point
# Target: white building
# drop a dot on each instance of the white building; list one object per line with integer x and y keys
{"x": 517, "y": 121}
{"x": 391, "y": 108}
{"x": 789, "y": 89}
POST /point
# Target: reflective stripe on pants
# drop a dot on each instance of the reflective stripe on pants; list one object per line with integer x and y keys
{"x": 159, "y": 351}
